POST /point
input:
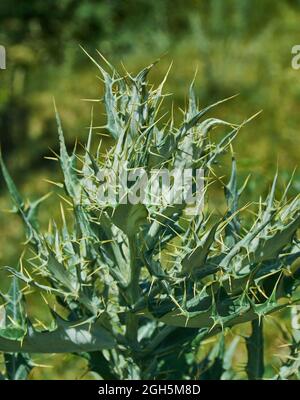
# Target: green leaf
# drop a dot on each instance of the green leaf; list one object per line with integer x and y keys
{"x": 68, "y": 164}
{"x": 130, "y": 217}
{"x": 13, "y": 317}
{"x": 68, "y": 337}
{"x": 197, "y": 258}
{"x": 18, "y": 366}
{"x": 15, "y": 195}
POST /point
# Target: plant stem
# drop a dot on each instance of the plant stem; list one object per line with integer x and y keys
{"x": 134, "y": 293}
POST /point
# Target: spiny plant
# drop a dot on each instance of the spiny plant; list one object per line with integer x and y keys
{"x": 135, "y": 289}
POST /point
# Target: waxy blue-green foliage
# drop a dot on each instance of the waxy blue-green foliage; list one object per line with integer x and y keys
{"x": 129, "y": 306}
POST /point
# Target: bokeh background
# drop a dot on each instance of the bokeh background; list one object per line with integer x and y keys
{"x": 236, "y": 46}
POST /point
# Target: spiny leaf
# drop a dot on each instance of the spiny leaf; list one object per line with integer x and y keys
{"x": 198, "y": 256}
{"x": 13, "y": 324}
{"x": 129, "y": 217}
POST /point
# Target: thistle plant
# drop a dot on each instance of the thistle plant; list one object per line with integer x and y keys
{"x": 135, "y": 289}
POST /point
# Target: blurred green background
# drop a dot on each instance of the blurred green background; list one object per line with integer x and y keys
{"x": 237, "y": 46}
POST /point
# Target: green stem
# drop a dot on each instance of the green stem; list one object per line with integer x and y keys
{"x": 255, "y": 349}
{"x": 134, "y": 293}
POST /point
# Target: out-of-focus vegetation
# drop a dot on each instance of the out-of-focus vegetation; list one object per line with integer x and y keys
{"x": 236, "y": 46}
